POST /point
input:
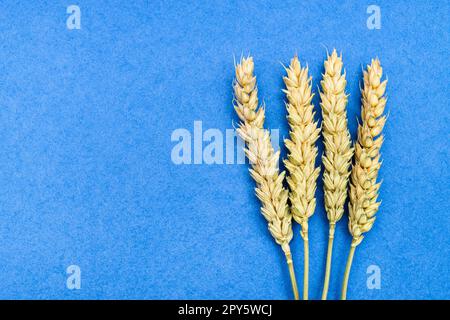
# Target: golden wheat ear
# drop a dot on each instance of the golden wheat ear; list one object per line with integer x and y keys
{"x": 264, "y": 161}
{"x": 338, "y": 149}
{"x": 302, "y": 152}
{"x": 363, "y": 179}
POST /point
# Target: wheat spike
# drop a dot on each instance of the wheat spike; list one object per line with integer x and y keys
{"x": 246, "y": 94}
{"x": 304, "y": 132}
{"x": 338, "y": 149}
{"x": 363, "y": 180}
{"x": 264, "y": 161}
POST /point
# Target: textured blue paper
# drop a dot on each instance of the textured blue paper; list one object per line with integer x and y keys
{"x": 87, "y": 179}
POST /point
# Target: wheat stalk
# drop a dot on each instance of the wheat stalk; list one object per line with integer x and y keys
{"x": 363, "y": 181}
{"x": 264, "y": 161}
{"x": 338, "y": 149}
{"x": 300, "y": 163}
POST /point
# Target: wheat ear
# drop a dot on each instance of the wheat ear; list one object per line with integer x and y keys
{"x": 304, "y": 132}
{"x": 338, "y": 149}
{"x": 363, "y": 180}
{"x": 264, "y": 161}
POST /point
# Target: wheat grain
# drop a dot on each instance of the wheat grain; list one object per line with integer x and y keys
{"x": 304, "y": 132}
{"x": 338, "y": 150}
{"x": 363, "y": 180}
{"x": 264, "y": 161}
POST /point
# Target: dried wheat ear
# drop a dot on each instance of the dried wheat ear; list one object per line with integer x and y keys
{"x": 338, "y": 148}
{"x": 363, "y": 180}
{"x": 302, "y": 152}
{"x": 264, "y": 161}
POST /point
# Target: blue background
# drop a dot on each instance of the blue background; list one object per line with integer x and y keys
{"x": 86, "y": 175}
